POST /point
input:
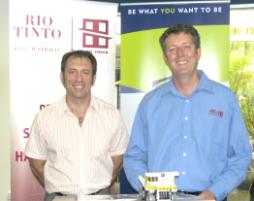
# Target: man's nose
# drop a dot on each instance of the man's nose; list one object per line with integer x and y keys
{"x": 79, "y": 76}
{"x": 180, "y": 51}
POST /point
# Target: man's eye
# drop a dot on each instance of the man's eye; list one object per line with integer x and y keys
{"x": 187, "y": 46}
{"x": 172, "y": 49}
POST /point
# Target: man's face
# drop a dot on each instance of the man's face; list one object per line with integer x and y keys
{"x": 78, "y": 78}
{"x": 181, "y": 55}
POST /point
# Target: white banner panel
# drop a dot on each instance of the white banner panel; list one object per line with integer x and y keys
{"x": 40, "y": 33}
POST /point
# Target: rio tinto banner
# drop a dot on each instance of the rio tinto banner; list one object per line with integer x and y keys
{"x": 40, "y": 33}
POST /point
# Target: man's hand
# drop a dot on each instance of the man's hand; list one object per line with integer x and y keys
{"x": 207, "y": 195}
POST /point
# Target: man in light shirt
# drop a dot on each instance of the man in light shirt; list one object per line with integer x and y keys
{"x": 190, "y": 124}
{"x": 76, "y": 144}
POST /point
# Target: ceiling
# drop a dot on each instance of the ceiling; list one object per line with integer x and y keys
{"x": 142, "y": 1}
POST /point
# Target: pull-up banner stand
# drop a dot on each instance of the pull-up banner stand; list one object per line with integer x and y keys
{"x": 141, "y": 61}
{"x": 41, "y": 32}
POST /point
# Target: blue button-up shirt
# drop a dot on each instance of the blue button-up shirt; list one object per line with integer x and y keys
{"x": 202, "y": 136}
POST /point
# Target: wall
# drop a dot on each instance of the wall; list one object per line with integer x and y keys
{"x": 4, "y": 103}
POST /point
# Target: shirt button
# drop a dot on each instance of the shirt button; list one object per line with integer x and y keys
{"x": 184, "y": 154}
{"x": 186, "y": 118}
{"x": 185, "y": 137}
{"x": 186, "y": 100}
{"x": 183, "y": 173}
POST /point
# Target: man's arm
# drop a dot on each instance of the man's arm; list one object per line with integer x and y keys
{"x": 135, "y": 158}
{"x": 239, "y": 157}
{"x": 37, "y": 168}
{"x": 117, "y": 166}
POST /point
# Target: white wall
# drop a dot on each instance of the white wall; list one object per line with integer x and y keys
{"x": 4, "y": 103}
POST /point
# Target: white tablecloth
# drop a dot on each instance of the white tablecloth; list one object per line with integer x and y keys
{"x": 132, "y": 197}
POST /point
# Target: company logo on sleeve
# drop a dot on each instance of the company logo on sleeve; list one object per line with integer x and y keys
{"x": 95, "y": 33}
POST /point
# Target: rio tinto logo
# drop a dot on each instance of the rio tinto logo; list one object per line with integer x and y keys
{"x": 37, "y": 27}
{"x": 95, "y": 33}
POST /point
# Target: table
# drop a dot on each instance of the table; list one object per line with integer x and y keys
{"x": 131, "y": 197}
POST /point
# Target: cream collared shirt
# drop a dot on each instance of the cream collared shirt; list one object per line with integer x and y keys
{"x": 78, "y": 157}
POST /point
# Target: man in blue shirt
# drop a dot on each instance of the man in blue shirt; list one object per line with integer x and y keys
{"x": 191, "y": 124}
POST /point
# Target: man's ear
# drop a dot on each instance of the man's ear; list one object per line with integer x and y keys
{"x": 94, "y": 79}
{"x": 62, "y": 78}
{"x": 165, "y": 59}
{"x": 199, "y": 53}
